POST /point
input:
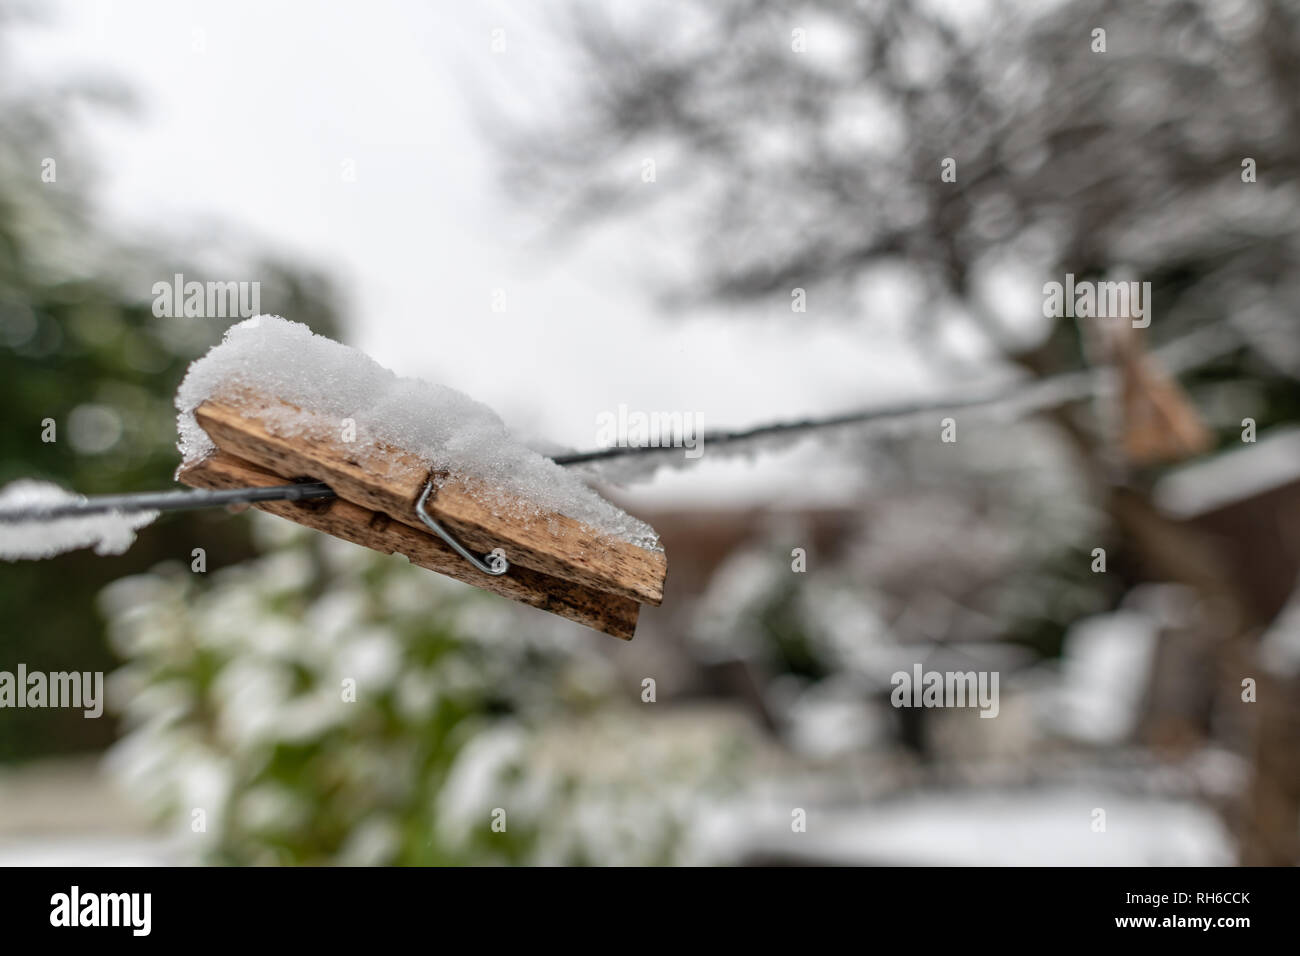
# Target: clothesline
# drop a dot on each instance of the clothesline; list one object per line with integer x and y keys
{"x": 1188, "y": 352}
{"x": 1191, "y": 351}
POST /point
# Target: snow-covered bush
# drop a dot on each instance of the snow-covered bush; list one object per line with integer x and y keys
{"x": 325, "y": 704}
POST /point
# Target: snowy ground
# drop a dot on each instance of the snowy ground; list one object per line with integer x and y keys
{"x": 62, "y": 813}
{"x": 65, "y": 812}
{"x": 1049, "y": 826}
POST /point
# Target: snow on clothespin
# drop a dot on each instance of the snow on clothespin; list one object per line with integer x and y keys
{"x": 274, "y": 403}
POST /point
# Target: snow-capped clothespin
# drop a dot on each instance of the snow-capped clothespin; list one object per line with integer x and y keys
{"x": 416, "y": 469}
{"x": 390, "y": 501}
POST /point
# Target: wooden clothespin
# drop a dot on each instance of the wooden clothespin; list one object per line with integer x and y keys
{"x": 553, "y": 562}
{"x": 1158, "y": 422}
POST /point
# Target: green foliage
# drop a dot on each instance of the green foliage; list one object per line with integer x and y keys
{"x": 324, "y": 704}
{"x": 80, "y": 345}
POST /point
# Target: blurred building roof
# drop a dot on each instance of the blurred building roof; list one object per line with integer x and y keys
{"x": 1234, "y": 476}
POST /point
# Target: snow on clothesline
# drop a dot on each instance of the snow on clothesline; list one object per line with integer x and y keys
{"x": 110, "y": 532}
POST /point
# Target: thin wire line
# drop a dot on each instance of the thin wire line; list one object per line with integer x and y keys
{"x": 1190, "y": 351}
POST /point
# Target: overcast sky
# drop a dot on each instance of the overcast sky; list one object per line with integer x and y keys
{"x": 248, "y": 111}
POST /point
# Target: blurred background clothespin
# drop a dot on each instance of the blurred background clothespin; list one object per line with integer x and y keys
{"x": 1152, "y": 420}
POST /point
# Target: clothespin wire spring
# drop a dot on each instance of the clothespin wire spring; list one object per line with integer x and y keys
{"x": 496, "y": 565}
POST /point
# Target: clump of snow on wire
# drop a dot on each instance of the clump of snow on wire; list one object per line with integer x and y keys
{"x": 110, "y": 532}
{"x": 446, "y": 429}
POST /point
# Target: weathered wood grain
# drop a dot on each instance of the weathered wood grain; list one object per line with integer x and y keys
{"x": 390, "y": 481}
{"x": 604, "y": 611}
